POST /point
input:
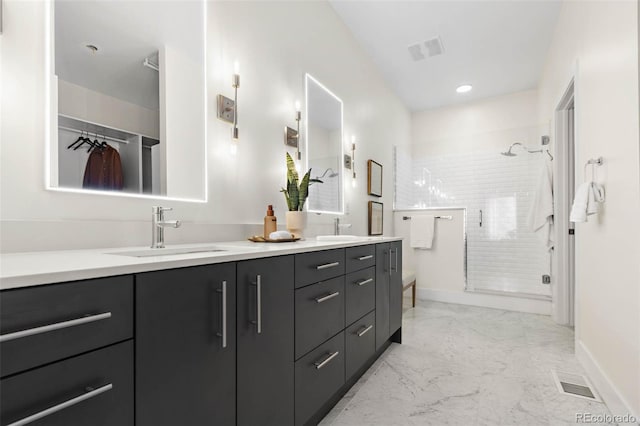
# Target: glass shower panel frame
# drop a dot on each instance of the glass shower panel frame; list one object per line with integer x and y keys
{"x": 502, "y": 254}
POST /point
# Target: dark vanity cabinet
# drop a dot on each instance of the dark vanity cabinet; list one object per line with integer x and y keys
{"x": 67, "y": 353}
{"x": 265, "y": 331}
{"x": 269, "y": 341}
{"x": 388, "y": 290}
{"x": 186, "y": 346}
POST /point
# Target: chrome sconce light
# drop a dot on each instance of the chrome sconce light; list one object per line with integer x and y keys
{"x": 292, "y": 136}
{"x": 350, "y": 160}
{"x": 228, "y": 108}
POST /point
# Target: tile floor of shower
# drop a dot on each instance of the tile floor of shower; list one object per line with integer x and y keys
{"x": 466, "y": 365}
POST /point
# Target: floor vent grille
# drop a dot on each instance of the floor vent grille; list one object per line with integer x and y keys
{"x": 575, "y": 385}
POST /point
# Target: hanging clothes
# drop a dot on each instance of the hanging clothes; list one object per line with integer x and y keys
{"x": 103, "y": 170}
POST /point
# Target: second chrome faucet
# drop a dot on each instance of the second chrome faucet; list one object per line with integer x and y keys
{"x": 158, "y": 224}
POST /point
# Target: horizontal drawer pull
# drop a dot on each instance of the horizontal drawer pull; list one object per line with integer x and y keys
{"x": 370, "y": 256}
{"x": 327, "y": 265}
{"x": 63, "y": 405}
{"x": 52, "y": 327}
{"x": 327, "y": 297}
{"x": 327, "y": 360}
{"x": 364, "y": 331}
{"x": 363, "y": 282}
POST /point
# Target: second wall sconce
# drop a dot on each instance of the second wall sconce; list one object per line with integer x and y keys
{"x": 228, "y": 108}
{"x": 292, "y": 136}
{"x": 350, "y": 160}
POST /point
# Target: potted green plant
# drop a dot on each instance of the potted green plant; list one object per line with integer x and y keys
{"x": 296, "y": 194}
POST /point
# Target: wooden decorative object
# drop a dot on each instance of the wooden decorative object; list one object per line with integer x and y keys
{"x": 375, "y": 218}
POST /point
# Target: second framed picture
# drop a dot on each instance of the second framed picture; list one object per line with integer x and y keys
{"x": 374, "y": 178}
{"x": 375, "y": 218}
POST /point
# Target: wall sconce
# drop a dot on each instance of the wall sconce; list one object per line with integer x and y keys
{"x": 228, "y": 108}
{"x": 349, "y": 160}
{"x": 292, "y": 136}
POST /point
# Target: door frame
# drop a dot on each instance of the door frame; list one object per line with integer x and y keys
{"x": 564, "y": 283}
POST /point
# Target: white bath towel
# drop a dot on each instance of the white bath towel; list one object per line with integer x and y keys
{"x": 540, "y": 218}
{"x": 422, "y": 229}
{"x": 586, "y": 200}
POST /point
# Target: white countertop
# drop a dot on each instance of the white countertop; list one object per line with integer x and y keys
{"x": 35, "y": 268}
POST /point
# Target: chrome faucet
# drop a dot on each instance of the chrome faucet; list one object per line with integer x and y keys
{"x": 158, "y": 224}
{"x": 337, "y": 226}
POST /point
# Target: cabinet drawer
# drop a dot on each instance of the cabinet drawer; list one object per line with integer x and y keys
{"x": 360, "y": 288}
{"x": 360, "y": 340}
{"x": 318, "y": 266}
{"x": 80, "y": 316}
{"x": 319, "y": 314}
{"x": 318, "y": 376}
{"x": 97, "y": 388}
{"x": 360, "y": 257}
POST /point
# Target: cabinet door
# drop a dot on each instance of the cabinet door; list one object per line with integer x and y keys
{"x": 382, "y": 293}
{"x": 186, "y": 346}
{"x": 395, "y": 287}
{"x": 265, "y": 341}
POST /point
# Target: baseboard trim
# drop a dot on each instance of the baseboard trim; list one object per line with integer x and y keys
{"x": 509, "y": 303}
{"x": 616, "y": 403}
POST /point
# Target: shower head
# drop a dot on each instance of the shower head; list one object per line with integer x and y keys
{"x": 509, "y": 153}
{"x": 331, "y": 175}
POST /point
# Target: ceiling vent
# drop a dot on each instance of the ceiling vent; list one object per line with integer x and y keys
{"x": 415, "y": 50}
{"x": 434, "y": 47}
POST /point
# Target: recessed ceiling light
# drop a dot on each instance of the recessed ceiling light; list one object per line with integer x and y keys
{"x": 464, "y": 88}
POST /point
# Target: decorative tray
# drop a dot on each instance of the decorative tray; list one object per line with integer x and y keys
{"x": 259, "y": 239}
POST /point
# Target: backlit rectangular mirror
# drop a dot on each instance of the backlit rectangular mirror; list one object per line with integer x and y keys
{"x": 324, "y": 147}
{"x": 128, "y": 98}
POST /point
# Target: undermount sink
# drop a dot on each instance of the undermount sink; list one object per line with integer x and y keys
{"x": 171, "y": 251}
{"x": 339, "y": 238}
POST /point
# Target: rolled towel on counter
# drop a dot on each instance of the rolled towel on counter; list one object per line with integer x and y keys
{"x": 280, "y": 235}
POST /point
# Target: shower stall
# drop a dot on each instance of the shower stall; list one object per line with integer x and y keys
{"x": 497, "y": 188}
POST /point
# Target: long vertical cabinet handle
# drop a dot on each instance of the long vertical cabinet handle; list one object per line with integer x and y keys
{"x": 224, "y": 314}
{"x": 396, "y": 252}
{"x": 480, "y": 218}
{"x": 258, "y": 321}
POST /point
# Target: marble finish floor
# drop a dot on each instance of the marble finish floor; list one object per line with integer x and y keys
{"x": 465, "y": 365}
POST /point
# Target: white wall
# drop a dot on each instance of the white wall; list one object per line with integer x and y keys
{"x": 489, "y": 124}
{"x": 597, "y": 43}
{"x": 275, "y": 44}
{"x": 89, "y": 105}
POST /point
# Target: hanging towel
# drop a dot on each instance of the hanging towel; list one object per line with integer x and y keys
{"x": 540, "y": 218}
{"x": 580, "y": 203}
{"x": 586, "y": 201}
{"x": 421, "y": 233}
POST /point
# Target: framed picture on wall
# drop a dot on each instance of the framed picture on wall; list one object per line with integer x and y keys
{"x": 375, "y": 218}
{"x": 374, "y": 178}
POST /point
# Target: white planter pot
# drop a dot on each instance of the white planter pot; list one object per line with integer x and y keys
{"x": 296, "y": 222}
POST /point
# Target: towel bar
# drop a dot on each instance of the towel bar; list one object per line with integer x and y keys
{"x": 593, "y": 162}
{"x": 448, "y": 217}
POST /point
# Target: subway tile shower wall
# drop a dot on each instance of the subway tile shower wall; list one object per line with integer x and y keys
{"x": 503, "y": 254}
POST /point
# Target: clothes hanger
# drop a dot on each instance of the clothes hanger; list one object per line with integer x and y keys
{"x": 80, "y": 139}
{"x": 84, "y": 140}
{"x": 94, "y": 144}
